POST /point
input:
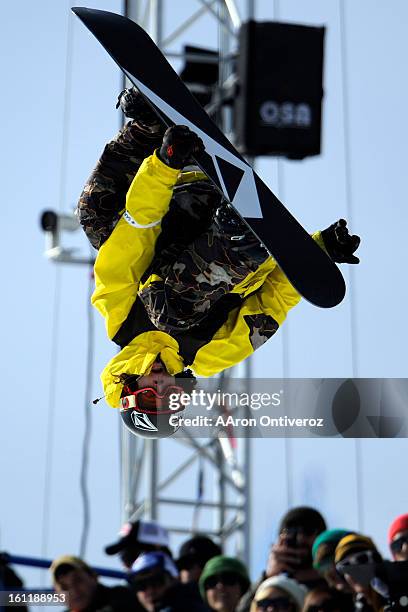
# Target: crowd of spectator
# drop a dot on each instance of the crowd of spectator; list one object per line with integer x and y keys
{"x": 309, "y": 569}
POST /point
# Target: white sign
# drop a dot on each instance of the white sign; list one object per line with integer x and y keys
{"x": 286, "y": 114}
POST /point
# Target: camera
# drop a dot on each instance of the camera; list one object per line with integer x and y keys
{"x": 389, "y": 579}
{"x": 50, "y": 221}
{"x": 291, "y": 540}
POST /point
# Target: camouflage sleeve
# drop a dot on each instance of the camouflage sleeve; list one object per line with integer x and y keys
{"x": 104, "y": 195}
{"x": 199, "y": 275}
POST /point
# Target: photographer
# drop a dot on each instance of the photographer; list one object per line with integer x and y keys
{"x": 357, "y": 550}
{"x": 391, "y": 581}
{"x": 292, "y": 553}
{"x": 387, "y": 579}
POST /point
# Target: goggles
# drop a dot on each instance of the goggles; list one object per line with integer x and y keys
{"x": 149, "y": 401}
{"x": 274, "y": 603}
{"x": 361, "y": 558}
{"x": 397, "y": 545}
{"x": 225, "y": 578}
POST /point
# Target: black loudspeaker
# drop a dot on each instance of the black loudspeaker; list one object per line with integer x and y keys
{"x": 278, "y": 108}
{"x": 200, "y": 76}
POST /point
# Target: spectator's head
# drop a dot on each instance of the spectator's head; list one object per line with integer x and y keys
{"x": 137, "y": 537}
{"x": 223, "y": 582}
{"x": 74, "y": 576}
{"x": 398, "y": 538}
{"x": 323, "y": 551}
{"x": 355, "y": 549}
{"x": 325, "y": 599}
{"x": 151, "y": 405}
{"x": 151, "y": 575}
{"x": 193, "y": 556}
{"x": 300, "y": 526}
{"x": 279, "y": 594}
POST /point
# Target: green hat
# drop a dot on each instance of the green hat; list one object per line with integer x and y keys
{"x": 221, "y": 565}
{"x": 330, "y": 535}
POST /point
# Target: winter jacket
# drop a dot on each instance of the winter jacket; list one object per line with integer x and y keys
{"x": 112, "y": 599}
{"x": 10, "y": 581}
{"x": 181, "y": 598}
{"x": 255, "y": 309}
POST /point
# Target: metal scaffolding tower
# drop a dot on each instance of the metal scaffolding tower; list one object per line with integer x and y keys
{"x": 144, "y": 486}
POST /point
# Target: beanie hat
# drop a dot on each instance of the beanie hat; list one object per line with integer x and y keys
{"x": 291, "y": 587}
{"x": 303, "y": 516}
{"x": 68, "y": 563}
{"x": 329, "y": 536}
{"x": 353, "y": 543}
{"x": 221, "y": 565}
{"x": 198, "y": 549}
{"x": 400, "y": 524}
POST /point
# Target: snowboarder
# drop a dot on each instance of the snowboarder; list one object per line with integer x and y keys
{"x": 180, "y": 279}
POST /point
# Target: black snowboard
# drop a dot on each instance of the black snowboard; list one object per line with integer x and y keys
{"x": 305, "y": 264}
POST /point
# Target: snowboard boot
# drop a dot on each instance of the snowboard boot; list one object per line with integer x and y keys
{"x": 340, "y": 245}
{"x": 242, "y": 239}
{"x": 134, "y": 106}
{"x": 229, "y": 223}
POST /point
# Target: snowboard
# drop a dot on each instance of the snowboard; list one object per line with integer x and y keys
{"x": 305, "y": 264}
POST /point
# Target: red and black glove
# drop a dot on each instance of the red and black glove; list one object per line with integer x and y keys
{"x": 339, "y": 244}
{"x": 179, "y": 145}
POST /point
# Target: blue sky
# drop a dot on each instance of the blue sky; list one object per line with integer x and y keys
{"x": 52, "y": 134}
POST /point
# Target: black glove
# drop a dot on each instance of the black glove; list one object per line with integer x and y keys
{"x": 179, "y": 145}
{"x": 339, "y": 244}
{"x": 135, "y": 107}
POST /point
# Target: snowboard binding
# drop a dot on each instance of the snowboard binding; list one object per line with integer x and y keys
{"x": 229, "y": 223}
{"x": 339, "y": 244}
